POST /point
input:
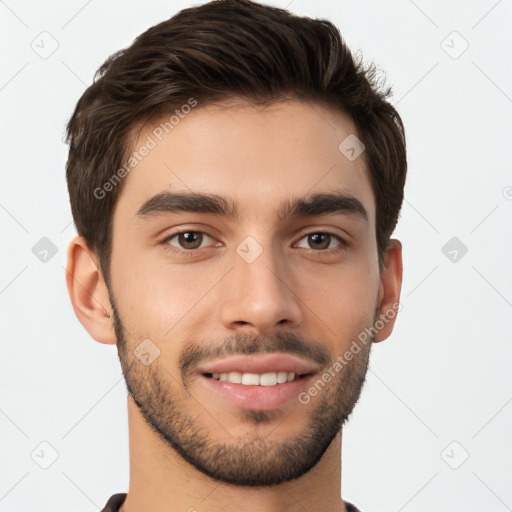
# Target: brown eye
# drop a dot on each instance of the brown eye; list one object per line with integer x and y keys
{"x": 320, "y": 241}
{"x": 188, "y": 240}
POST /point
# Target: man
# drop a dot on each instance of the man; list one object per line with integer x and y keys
{"x": 235, "y": 178}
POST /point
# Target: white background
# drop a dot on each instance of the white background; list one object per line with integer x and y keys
{"x": 444, "y": 375}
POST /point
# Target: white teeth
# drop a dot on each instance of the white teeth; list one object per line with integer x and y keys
{"x": 250, "y": 379}
{"x": 254, "y": 379}
{"x": 282, "y": 377}
{"x": 268, "y": 379}
{"x": 235, "y": 377}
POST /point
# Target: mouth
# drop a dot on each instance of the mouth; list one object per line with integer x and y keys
{"x": 255, "y": 379}
{"x": 258, "y": 381}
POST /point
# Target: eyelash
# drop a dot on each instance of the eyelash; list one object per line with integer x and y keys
{"x": 192, "y": 252}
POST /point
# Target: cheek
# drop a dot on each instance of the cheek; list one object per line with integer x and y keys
{"x": 345, "y": 303}
{"x": 159, "y": 302}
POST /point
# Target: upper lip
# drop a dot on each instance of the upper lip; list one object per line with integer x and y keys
{"x": 260, "y": 363}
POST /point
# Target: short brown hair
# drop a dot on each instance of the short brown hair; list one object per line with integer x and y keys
{"x": 218, "y": 50}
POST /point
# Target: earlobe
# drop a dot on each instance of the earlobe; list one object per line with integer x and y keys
{"x": 88, "y": 292}
{"x": 389, "y": 290}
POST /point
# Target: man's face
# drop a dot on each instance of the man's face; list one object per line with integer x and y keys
{"x": 268, "y": 301}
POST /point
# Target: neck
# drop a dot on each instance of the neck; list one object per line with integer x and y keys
{"x": 160, "y": 480}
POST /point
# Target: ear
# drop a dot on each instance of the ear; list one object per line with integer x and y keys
{"x": 389, "y": 291}
{"x": 88, "y": 292}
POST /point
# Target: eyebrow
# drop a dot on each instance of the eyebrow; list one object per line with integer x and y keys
{"x": 314, "y": 204}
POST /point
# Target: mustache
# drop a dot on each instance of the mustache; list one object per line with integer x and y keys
{"x": 289, "y": 343}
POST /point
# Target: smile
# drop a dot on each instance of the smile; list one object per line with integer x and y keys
{"x": 255, "y": 379}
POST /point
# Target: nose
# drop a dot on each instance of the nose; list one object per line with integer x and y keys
{"x": 260, "y": 297}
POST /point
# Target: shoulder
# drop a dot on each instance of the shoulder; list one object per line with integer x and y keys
{"x": 114, "y": 502}
{"x": 350, "y": 507}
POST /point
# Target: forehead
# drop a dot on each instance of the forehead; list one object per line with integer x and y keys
{"x": 255, "y": 156}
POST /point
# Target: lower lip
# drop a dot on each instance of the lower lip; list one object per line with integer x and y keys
{"x": 258, "y": 398}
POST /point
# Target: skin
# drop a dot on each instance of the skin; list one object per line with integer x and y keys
{"x": 258, "y": 158}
